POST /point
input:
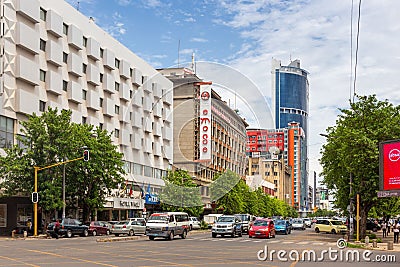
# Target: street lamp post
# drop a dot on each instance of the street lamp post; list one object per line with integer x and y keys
{"x": 63, "y": 193}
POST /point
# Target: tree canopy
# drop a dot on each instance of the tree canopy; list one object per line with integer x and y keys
{"x": 352, "y": 150}
{"x": 52, "y": 138}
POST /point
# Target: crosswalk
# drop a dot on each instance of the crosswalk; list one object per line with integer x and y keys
{"x": 245, "y": 239}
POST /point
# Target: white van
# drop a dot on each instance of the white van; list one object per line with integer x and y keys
{"x": 210, "y": 219}
{"x": 167, "y": 225}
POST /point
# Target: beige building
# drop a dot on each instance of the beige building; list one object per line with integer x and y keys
{"x": 276, "y": 172}
{"x": 209, "y": 137}
{"x": 53, "y": 56}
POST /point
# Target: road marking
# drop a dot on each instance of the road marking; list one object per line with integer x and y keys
{"x": 287, "y": 242}
{"x": 303, "y": 243}
{"x": 14, "y": 260}
{"x": 257, "y": 241}
{"x": 318, "y": 244}
{"x": 245, "y": 240}
{"x": 274, "y": 241}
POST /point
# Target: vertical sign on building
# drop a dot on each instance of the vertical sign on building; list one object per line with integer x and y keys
{"x": 205, "y": 121}
{"x": 390, "y": 165}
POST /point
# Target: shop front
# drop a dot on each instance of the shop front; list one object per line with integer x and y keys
{"x": 119, "y": 209}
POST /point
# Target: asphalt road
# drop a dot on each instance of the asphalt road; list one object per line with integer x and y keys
{"x": 199, "y": 249}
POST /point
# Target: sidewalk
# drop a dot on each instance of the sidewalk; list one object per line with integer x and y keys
{"x": 382, "y": 246}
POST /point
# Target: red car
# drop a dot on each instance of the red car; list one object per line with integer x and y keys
{"x": 98, "y": 228}
{"x": 262, "y": 228}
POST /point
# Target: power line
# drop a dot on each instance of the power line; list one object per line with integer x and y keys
{"x": 357, "y": 42}
{"x": 351, "y": 50}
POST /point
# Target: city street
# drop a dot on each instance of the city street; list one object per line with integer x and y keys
{"x": 199, "y": 249}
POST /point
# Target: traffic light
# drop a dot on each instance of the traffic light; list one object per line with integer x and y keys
{"x": 35, "y": 197}
{"x": 86, "y": 155}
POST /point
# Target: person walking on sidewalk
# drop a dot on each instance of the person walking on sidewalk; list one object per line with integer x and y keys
{"x": 396, "y": 230}
{"x": 384, "y": 226}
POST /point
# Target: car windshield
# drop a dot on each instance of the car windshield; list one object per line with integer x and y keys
{"x": 306, "y": 219}
{"x": 122, "y": 222}
{"x": 337, "y": 222}
{"x": 226, "y": 219}
{"x": 297, "y": 221}
{"x": 243, "y": 217}
{"x": 280, "y": 223}
{"x": 260, "y": 223}
{"x": 163, "y": 218}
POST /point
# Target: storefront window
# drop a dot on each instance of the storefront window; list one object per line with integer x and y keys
{"x": 6, "y": 132}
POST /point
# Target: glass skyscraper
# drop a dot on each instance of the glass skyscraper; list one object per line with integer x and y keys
{"x": 290, "y": 104}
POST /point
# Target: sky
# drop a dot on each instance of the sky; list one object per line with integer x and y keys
{"x": 233, "y": 43}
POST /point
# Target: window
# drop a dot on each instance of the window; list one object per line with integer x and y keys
{"x": 116, "y": 109}
{"x": 42, "y": 75}
{"x": 65, "y": 86}
{"x": 43, "y": 14}
{"x": 116, "y": 133}
{"x": 84, "y": 41}
{"x": 84, "y": 67}
{"x": 101, "y": 102}
{"x": 117, "y": 63}
{"x": 42, "y": 45}
{"x": 84, "y": 94}
{"x": 6, "y": 132}
{"x": 101, "y": 52}
{"x": 42, "y": 106}
{"x": 101, "y": 77}
{"x": 101, "y": 126}
{"x": 65, "y": 29}
{"x": 116, "y": 86}
{"x": 65, "y": 57}
{"x": 84, "y": 120}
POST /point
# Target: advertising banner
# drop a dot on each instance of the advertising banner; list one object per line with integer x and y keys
{"x": 205, "y": 122}
{"x": 390, "y": 165}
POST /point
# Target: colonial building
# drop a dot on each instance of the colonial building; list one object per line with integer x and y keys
{"x": 53, "y": 56}
{"x": 209, "y": 136}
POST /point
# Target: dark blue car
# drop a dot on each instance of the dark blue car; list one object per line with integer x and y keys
{"x": 282, "y": 226}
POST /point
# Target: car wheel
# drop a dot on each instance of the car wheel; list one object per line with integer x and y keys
{"x": 108, "y": 232}
{"x": 233, "y": 234}
{"x": 116, "y": 234}
{"x": 131, "y": 233}
{"x": 94, "y": 233}
{"x": 151, "y": 237}
{"x": 183, "y": 235}
{"x": 250, "y": 236}
{"x": 85, "y": 233}
{"x": 286, "y": 232}
{"x": 171, "y": 235}
{"x": 333, "y": 231}
{"x": 190, "y": 228}
{"x": 214, "y": 235}
{"x": 69, "y": 233}
{"x": 317, "y": 230}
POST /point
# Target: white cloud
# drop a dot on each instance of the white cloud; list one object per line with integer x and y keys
{"x": 117, "y": 28}
{"x": 198, "y": 40}
{"x": 124, "y": 2}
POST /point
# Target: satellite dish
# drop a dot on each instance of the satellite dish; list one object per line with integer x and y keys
{"x": 274, "y": 150}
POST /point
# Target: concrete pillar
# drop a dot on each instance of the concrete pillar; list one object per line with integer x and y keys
{"x": 390, "y": 245}
{"x": 374, "y": 243}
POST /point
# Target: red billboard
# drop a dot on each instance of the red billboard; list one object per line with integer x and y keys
{"x": 390, "y": 165}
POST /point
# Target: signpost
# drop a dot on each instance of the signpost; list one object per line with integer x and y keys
{"x": 389, "y": 171}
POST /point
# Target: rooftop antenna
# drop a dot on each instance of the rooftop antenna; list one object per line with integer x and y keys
{"x": 77, "y": 5}
{"x": 193, "y": 61}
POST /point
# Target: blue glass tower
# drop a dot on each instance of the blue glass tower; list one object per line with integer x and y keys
{"x": 290, "y": 104}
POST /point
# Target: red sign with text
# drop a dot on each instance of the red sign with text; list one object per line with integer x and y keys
{"x": 391, "y": 166}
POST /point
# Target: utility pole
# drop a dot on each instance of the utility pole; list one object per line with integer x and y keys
{"x": 351, "y": 229}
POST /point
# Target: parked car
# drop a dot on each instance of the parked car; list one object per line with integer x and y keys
{"x": 330, "y": 226}
{"x": 138, "y": 219}
{"x": 99, "y": 228}
{"x": 307, "y": 222}
{"x": 69, "y": 227}
{"x": 262, "y": 228}
{"x": 298, "y": 224}
{"x": 210, "y": 219}
{"x": 283, "y": 226}
{"x": 227, "y": 225}
{"x": 128, "y": 227}
{"x": 194, "y": 223}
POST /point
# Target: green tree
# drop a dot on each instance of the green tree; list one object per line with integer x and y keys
{"x": 181, "y": 193}
{"x": 52, "y": 138}
{"x": 352, "y": 150}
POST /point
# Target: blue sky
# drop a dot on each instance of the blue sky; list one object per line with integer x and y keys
{"x": 239, "y": 38}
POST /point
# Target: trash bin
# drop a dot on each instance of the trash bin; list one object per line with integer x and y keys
{"x": 390, "y": 245}
{"x": 374, "y": 243}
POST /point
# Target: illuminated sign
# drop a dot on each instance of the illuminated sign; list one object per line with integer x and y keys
{"x": 205, "y": 122}
{"x": 389, "y": 165}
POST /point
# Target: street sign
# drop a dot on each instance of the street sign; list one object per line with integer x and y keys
{"x": 35, "y": 197}
{"x": 389, "y": 193}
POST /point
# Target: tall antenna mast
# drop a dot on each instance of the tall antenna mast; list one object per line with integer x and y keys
{"x": 77, "y": 5}
{"x": 179, "y": 48}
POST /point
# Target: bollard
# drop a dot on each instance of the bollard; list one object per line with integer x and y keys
{"x": 13, "y": 233}
{"x": 25, "y": 234}
{"x": 390, "y": 245}
{"x": 374, "y": 243}
{"x": 367, "y": 241}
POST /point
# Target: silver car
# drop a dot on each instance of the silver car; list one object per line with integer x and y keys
{"x": 130, "y": 227}
{"x": 194, "y": 223}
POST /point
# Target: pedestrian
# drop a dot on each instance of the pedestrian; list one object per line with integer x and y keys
{"x": 396, "y": 230}
{"x": 56, "y": 229}
{"x": 29, "y": 227}
{"x": 389, "y": 224}
{"x": 384, "y": 226}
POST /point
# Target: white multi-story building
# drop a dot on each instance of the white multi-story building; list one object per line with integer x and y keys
{"x": 53, "y": 56}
